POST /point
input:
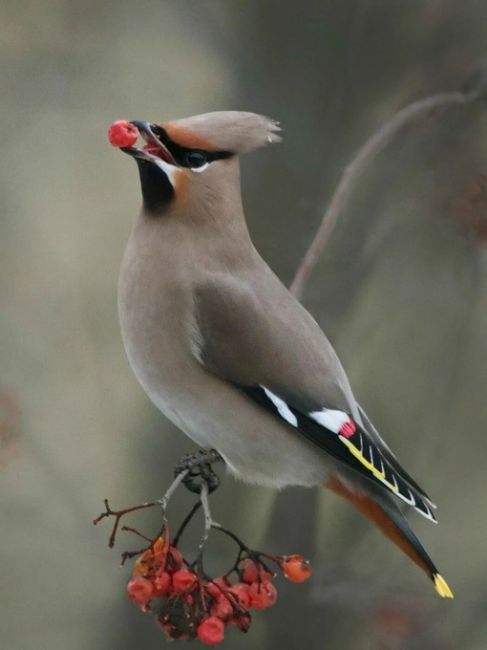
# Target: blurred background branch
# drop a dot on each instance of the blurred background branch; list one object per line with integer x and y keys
{"x": 477, "y": 89}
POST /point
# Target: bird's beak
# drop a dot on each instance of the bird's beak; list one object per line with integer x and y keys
{"x": 154, "y": 149}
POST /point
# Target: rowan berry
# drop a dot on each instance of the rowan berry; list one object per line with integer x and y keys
{"x": 262, "y": 595}
{"x": 175, "y": 560}
{"x": 161, "y": 583}
{"x": 217, "y": 588}
{"x": 211, "y": 631}
{"x": 249, "y": 572}
{"x": 140, "y": 590}
{"x": 122, "y": 134}
{"x": 183, "y": 580}
{"x": 222, "y": 609}
{"x": 241, "y": 591}
{"x": 295, "y": 568}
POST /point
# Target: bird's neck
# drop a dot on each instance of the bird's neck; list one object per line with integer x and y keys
{"x": 209, "y": 220}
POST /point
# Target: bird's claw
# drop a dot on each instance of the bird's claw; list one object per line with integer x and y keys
{"x": 200, "y": 471}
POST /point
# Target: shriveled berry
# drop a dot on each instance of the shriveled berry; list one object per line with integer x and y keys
{"x": 171, "y": 631}
{"x": 242, "y": 620}
{"x": 222, "y": 609}
{"x": 141, "y": 568}
{"x": 122, "y": 134}
{"x": 241, "y": 591}
{"x": 140, "y": 590}
{"x": 151, "y": 559}
{"x": 211, "y": 631}
{"x": 262, "y": 595}
{"x": 159, "y": 547}
{"x": 183, "y": 580}
{"x": 296, "y": 568}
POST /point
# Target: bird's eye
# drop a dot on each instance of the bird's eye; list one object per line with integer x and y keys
{"x": 156, "y": 130}
{"x": 195, "y": 159}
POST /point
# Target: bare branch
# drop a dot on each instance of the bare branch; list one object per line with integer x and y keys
{"x": 361, "y": 161}
{"x": 118, "y": 514}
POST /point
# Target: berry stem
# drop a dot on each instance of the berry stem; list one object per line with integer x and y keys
{"x": 185, "y": 522}
{"x": 118, "y": 514}
{"x": 129, "y": 529}
{"x": 209, "y": 524}
{"x": 225, "y": 531}
{"x": 164, "y": 501}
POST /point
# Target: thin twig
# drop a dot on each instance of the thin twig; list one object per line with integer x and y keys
{"x": 229, "y": 533}
{"x": 118, "y": 514}
{"x": 185, "y": 522}
{"x": 209, "y": 523}
{"x": 163, "y": 502}
{"x": 360, "y": 162}
{"x": 129, "y": 529}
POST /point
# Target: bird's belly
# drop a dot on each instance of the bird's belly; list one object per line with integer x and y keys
{"x": 257, "y": 447}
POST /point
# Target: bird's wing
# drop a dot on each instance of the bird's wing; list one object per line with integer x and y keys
{"x": 386, "y": 451}
{"x": 267, "y": 345}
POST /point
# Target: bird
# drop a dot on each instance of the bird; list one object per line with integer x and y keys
{"x": 226, "y": 352}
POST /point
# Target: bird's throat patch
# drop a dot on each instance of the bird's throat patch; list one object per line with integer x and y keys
{"x": 157, "y": 189}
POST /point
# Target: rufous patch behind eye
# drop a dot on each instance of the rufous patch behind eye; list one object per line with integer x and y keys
{"x": 186, "y": 138}
{"x": 180, "y": 185}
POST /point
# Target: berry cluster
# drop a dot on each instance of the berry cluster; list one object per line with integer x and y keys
{"x": 187, "y": 603}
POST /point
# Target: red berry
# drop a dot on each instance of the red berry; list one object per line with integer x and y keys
{"x": 262, "y": 595}
{"x": 140, "y": 590}
{"x": 161, "y": 583}
{"x": 214, "y": 591}
{"x": 183, "y": 580}
{"x": 264, "y": 575}
{"x": 241, "y": 591}
{"x": 222, "y": 609}
{"x": 296, "y": 568}
{"x": 122, "y": 134}
{"x": 249, "y": 572}
{"x": 211, "y": 631}
{"x": 217, "y": 588}
{"x": 175, "y": 560}
{"x": 221, "y": 582}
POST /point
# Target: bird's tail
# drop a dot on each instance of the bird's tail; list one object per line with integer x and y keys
{"x": 388, "y": 518}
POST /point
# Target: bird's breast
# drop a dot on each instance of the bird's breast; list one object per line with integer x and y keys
{"x": 154, "y": 301}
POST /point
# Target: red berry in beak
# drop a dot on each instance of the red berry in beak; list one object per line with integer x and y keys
{"x": 122, "y": 134}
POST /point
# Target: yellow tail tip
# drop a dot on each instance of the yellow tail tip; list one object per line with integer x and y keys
{"x": 442, "y": 587}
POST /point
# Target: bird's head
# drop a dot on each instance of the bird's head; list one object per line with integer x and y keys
{"x": 195, "y": 158}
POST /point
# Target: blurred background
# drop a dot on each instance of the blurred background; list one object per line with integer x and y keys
{"x": 400, "y": 290}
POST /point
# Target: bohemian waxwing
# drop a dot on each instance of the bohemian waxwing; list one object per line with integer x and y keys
{"x": 226, "y": 352}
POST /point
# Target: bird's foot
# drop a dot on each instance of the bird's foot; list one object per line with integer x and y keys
{"x": 199, "y": 470}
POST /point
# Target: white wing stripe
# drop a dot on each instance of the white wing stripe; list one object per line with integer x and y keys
{"x": 283, "y": 409}
{"x": 330, "y": 419}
